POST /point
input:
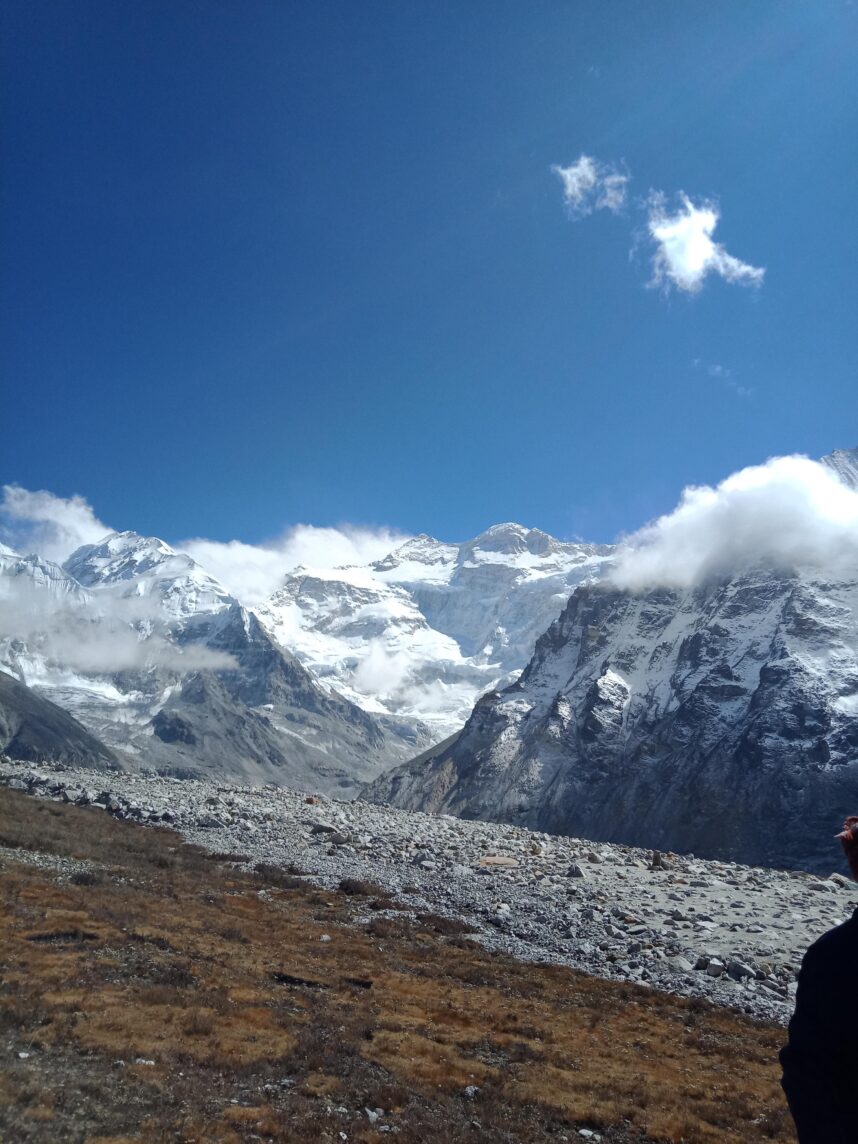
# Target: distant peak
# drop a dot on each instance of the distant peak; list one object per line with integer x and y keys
{"x": 422, "y": 549}
{"x": 844, "y": 462}
{"x": 508, "y": 538}
{"x": 124, "y": 555}
{"x": 507, "y": 528}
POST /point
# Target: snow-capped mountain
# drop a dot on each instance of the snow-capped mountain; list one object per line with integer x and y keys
{"x": 720, "y": 718}
{"x": 424, "y": 632}
{"x": 159, "y": 661}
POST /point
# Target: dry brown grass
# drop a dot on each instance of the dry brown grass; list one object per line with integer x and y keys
{"x": 171, "y": 956}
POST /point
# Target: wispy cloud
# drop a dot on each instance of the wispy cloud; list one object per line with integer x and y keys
{"x": 40, "y": 521}
{"x": 589, "y": 185}
{"x": 719, "y": 372}
{"x": 93, "y": 636}
{"x": 685, "y": 251}
{"x": 741, "y": 390}
{"x": 52, "y": 526}
{"x": 253, "y": 571}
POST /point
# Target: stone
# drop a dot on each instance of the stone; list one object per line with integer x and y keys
{"x": 739, "y": 970}
{"x": 500, "y": 861}
{"x": 575, "y": 871}
{"x": 680, "y": 964}
{"x": 208, "y": 821}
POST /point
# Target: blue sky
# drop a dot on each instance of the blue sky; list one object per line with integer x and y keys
{"x": 268, "y": 263}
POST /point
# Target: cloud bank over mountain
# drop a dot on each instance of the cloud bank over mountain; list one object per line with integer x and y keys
{"x": 102, "y": 635}
{"x": 39, "y": 521}
{"x": 789, "y": 513}
{"x": 252, "y": 571}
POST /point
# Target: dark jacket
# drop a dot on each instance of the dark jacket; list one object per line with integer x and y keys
{"x": 820, "y": 1062}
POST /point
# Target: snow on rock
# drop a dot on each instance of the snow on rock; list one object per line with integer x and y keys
{"x": 422, "y": 633}
{"x": 159, "y": 661}
{"x": 844, "y": 462}
{"x": 718, "y": 720}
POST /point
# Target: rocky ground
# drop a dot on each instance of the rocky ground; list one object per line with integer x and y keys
{"x": 730, "y": 933}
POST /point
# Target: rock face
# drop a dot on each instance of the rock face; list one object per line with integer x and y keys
{"x": 155, "y": 657}
{"x": 721, "y": 721}
{"x": 34, "y": 729}
{"x": 424, "y": 632}
{"x": 844, "y": 462}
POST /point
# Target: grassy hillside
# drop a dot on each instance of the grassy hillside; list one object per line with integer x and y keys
{"x": 153, "y": 992}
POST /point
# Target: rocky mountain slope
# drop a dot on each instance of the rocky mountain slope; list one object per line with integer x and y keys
{"x": 157, "y": 659}
{"x": 34, "y": 728}
{"x": 719, "y": 719}
{"x": 844, "y": 462}
{"x": 424, "y": 632}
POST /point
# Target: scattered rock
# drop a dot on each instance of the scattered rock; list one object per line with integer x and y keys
{"x": 540, "y": 896}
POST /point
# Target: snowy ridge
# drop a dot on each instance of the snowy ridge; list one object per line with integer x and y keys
{"x": 422, "y": 633}
{"x": 844, "y": 462}
{"x": 718, "y": 720}
{"x": 157, "y": 659}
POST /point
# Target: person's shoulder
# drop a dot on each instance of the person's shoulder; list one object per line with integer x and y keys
{"x": 842, "y": 940}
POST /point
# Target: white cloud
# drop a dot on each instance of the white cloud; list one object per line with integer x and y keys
{"x": 55, "y": 526}
{"x": 723, "y": 373}
{"x": 589, "y": 185}
{"x": 685, "y": 251}
{"x": 94, "y": 636}
{"x": 741, "y": 390}
{"x": 788, "y": 513}
{"x": 50, "y": 525}
{"x": 252, "y": 571}
{"x": 382, "y": 672}
{"x": 612, "y": 194}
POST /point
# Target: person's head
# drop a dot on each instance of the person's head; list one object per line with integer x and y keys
{"x": 849, "y": 841}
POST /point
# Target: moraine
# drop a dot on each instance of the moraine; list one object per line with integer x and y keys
{"x": 731, "y": 933}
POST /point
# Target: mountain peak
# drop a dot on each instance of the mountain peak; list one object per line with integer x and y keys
{"x": 422, "y": 549}
{"x": 505, "y": 537}
{"x": 844, "y": 462}
{"x": 124, "y": 555}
